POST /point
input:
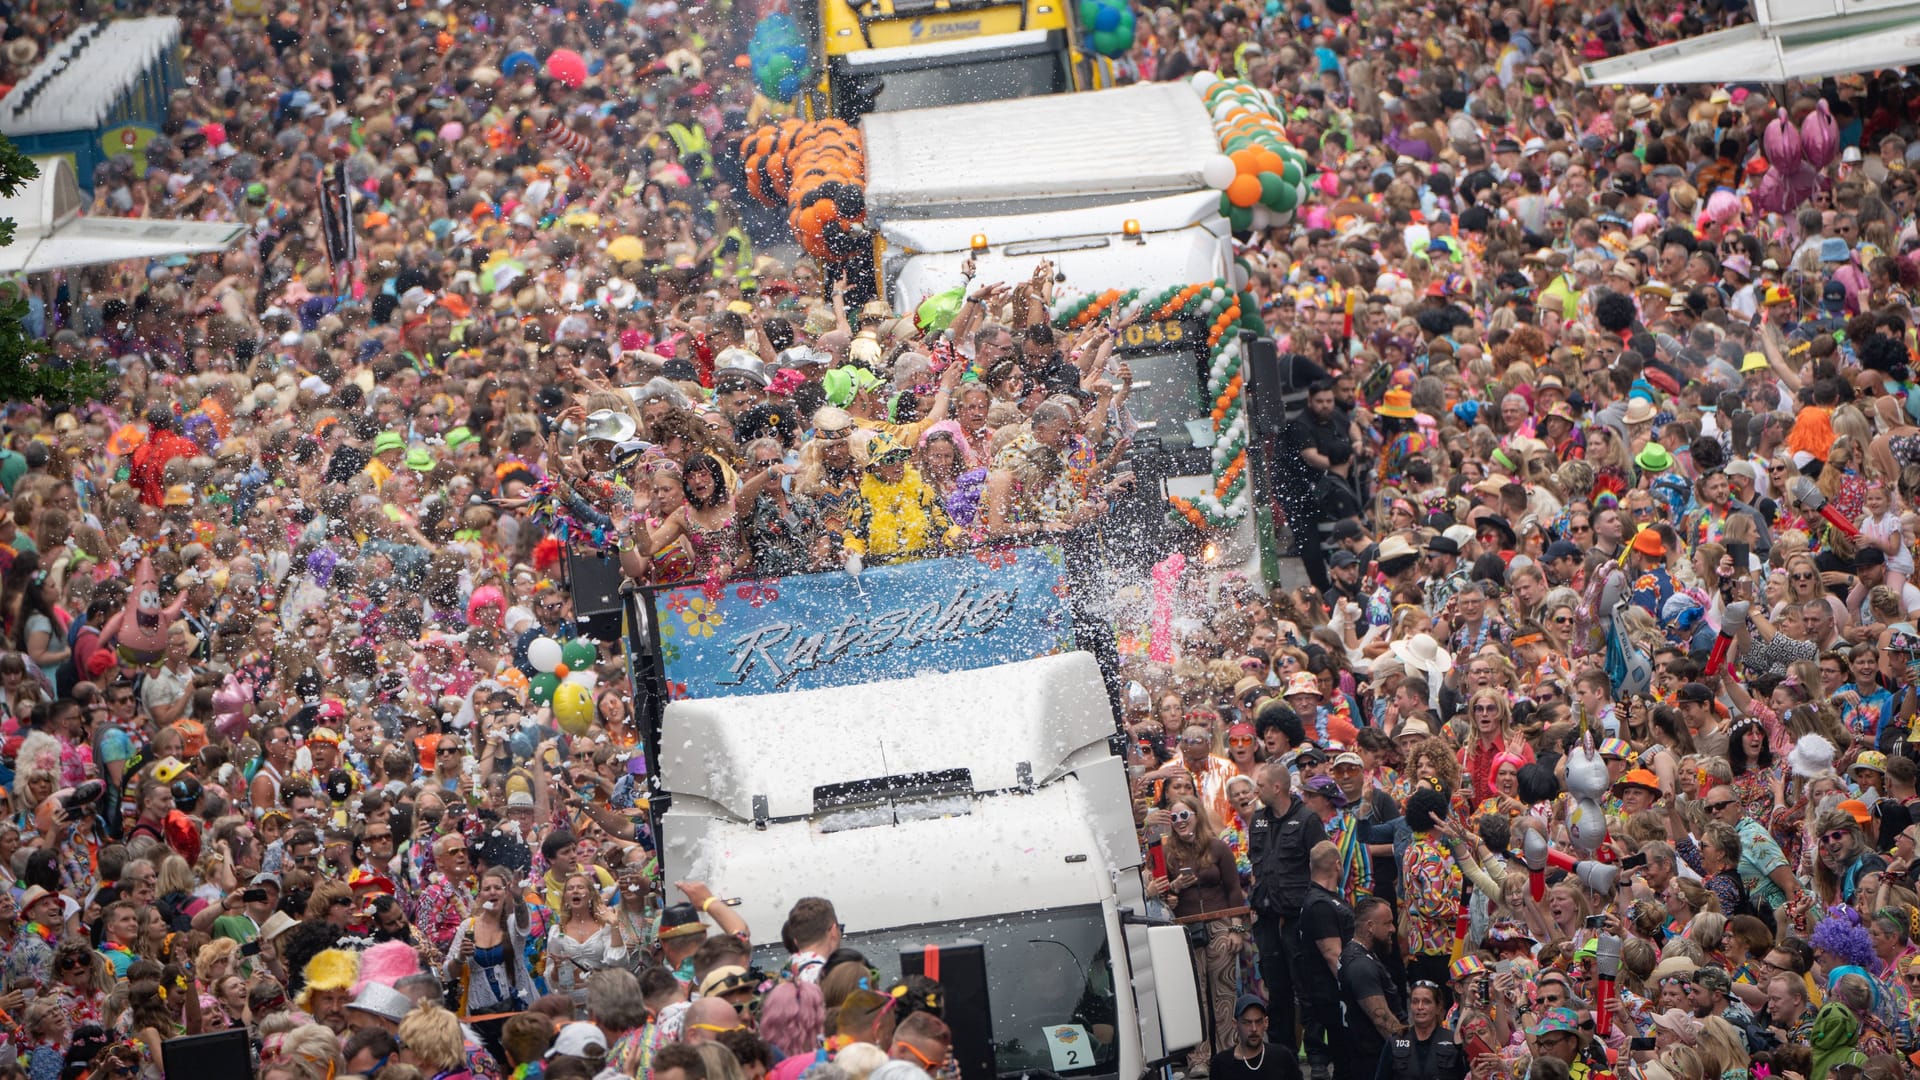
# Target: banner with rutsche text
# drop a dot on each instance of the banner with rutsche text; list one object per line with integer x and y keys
{"x": 975, "y": 610}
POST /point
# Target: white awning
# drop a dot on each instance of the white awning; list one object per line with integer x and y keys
{"x": 75, "y": 87}
{"x": 1793, "y": 40}
{"x": 50, "y": 233}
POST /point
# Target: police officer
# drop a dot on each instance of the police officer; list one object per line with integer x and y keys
{"x": 1426, "y": 1050}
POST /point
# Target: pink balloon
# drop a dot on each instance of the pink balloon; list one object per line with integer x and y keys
{"x": 567, "y": 66}
{"x": 215, "y": 134}
{"x": 451, "y": 131}
{"x": 1819, "y": 137}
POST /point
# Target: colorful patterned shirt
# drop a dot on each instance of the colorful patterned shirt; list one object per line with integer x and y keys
{"x": 1356, "y": 878}
{"x": 442, "y": 905}
{"x": 1430, "y": 881}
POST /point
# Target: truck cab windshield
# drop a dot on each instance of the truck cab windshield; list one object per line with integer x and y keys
{"x": 976, "y": 80}
{"x": 1166, "y": 397}
{"x": 1049, "y": 984}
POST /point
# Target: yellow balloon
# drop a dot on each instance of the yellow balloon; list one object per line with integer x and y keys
{"x": 573, "y": 708}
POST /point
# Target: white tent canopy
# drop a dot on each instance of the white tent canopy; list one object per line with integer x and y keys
{"x": 1789, "y": 40}
{"x": 50, "y": 234}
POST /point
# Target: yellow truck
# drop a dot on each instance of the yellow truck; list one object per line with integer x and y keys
{"x": 895, "y": 55}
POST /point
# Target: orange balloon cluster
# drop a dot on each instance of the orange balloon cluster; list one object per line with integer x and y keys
{"x": 817, "y": 168}
{"x": 1180, "y": 300}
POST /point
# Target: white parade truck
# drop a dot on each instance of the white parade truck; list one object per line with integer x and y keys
{"x": 924, "y": 746}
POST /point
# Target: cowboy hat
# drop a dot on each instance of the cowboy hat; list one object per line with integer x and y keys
{"x": 609, "y": 426}
{"x": 1395, "y": 547}
{"x": 1639, "y": 411}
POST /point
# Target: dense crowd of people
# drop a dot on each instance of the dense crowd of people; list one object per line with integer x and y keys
{"x": 1603, "y": 476}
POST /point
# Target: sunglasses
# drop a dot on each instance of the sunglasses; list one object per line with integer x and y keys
{"x": 1240, "y": 740}
{"x": 1801, "y": 577}
{"x": 1561, "y": 619}
{"x": 1716, "y": 807}
{"x": 1835, "y": 835}
{"x": 1181, "y": 815}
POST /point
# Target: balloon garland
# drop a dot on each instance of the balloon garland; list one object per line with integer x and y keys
{"x": 565, "y": 679}
{"x": 1109, "y": 26}
{"x": 818, "y": 169}
{"x": 1223, "y": 310}
{"x": 778, "y": 55}
{"x": 1261, "y": 176}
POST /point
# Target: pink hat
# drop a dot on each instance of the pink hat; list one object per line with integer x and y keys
{"x": 387, "y": 963}
{"x": 490, "y": 600}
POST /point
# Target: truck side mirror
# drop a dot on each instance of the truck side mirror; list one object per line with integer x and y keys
{"x": 1174, "y": 988}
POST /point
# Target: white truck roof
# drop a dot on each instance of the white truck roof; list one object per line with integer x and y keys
{"x": 1038, "y": 153}
{"x": 775, "y": 749}
{"x": 1058, "y": 847}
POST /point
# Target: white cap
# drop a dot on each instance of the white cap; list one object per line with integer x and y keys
{"x": 576, "y": 1039}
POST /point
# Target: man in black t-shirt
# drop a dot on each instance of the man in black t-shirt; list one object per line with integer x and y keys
{"x": 1316, "y": 464}
{"x": 1369, "y": 999}
{"x": 1324, "y": 927}
{"x": 1252, "y": 1056}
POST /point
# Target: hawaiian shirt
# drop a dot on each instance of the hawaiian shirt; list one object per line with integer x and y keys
{"x": 1652, "y": 590}
{"x": 1442, "y": 589}
{"x": 441, "y": 906}
{"x": 30, "y": 960}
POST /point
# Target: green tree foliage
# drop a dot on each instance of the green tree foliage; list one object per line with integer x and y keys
{"x": 25, "y": 374}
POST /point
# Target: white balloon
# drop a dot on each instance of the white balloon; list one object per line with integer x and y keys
{"x": 1238, "y": 274}
{"x": 1262, "y": 220}
{"x": 1203, "y": 79}
{"x": 543, "y": 653}
{"x": 1218, "y": 171}
{"x": 587, "y": 679}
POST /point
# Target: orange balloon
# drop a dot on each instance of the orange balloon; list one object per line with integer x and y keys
{"x": 1244, "y": 191}
{"x": 1246, "y": 162}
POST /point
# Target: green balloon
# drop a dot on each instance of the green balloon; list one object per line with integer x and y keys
{"x": 1290, "y": 172}
{"x": 1226, "y": 206}
{"x": 578, "y": 655}
{"x": 1240, "y": 218}
{"x": 1271, "y": 187}
{"x": 541, "y": 687}
{"x": 1288, "y": 198}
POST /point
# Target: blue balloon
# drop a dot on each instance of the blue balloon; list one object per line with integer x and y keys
{"x": 1106, "y": 19}
{"x": 778, "y": 56}
{"x": 515, "y": 62}
{"x": 1089, "y": 11}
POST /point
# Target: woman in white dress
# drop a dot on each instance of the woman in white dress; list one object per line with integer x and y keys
{"x": 585, "y": 939}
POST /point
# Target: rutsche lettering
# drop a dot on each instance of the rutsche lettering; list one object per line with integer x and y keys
{"x": 783, "y": 654}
